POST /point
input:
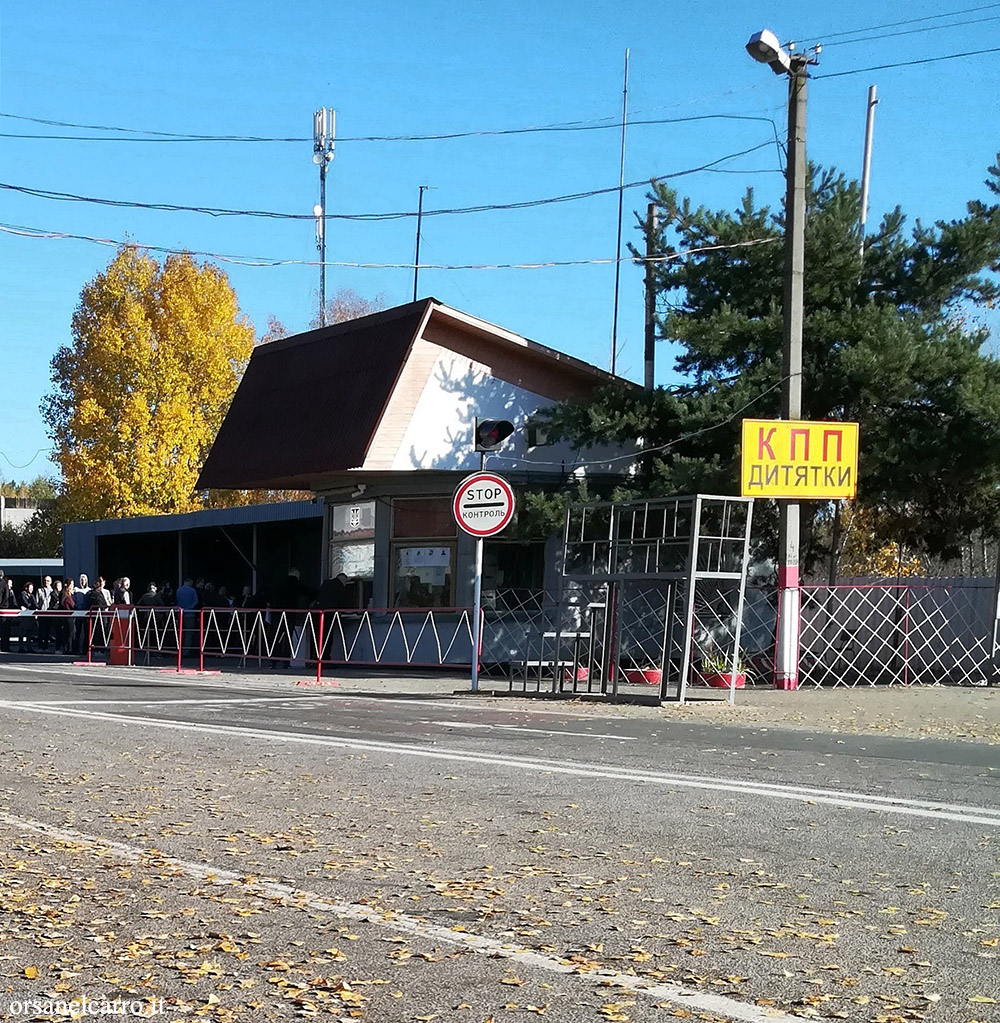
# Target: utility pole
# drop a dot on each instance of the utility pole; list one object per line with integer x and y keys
{"x": 789, "y": 594}
{"x": 650, "y": 334}
{"x": 416, "y": 257}
{"x": 866, "y": 166}
{"x": 621, "y": 200}
{"x": 324, "y": 133}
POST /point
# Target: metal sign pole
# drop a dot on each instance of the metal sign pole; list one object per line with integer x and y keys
{"x": 477, "y": 596}
{"x": 477, "y": 614}
{"x": 483, "y": 505}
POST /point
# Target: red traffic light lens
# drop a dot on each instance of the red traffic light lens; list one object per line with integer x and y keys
{"x": 491, "y": 433}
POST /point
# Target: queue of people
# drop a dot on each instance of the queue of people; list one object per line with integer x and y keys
{"x": 67, "y": 635}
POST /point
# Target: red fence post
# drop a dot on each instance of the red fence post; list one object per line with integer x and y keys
{"x": 319, "y": 648}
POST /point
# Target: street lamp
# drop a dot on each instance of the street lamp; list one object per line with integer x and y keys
{"x": 764, "y": 47}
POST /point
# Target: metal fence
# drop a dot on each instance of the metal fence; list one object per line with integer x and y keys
{"x": 917, "y": 632}
{"x": 625, "y": 635}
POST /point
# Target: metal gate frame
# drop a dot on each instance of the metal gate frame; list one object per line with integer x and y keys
{"x": 679, "y": 541}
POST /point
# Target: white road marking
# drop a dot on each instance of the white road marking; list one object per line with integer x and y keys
{"x": 523, "y": 728}
{"x": 245, "y": 683}
{"x": 298, "y": 898}
{"x": 731, "y": 786}
{"x": 195, "y": 701}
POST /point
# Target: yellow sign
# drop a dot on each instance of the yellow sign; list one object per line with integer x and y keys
{"x": 799, "y": 459}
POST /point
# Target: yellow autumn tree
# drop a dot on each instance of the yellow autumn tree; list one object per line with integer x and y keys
{"x": 141, "y": 391}
{"x": 867, "y": 552}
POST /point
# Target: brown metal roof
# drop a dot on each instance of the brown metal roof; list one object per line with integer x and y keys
{"x": 311, "y": 403}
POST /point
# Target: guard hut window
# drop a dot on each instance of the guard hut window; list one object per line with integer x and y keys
{"x": 352, "y": 547}
{"x": 423, "y": 552}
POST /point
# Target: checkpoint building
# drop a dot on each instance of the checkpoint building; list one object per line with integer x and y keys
{"x": 375, "y": 417}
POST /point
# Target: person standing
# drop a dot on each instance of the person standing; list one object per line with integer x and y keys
{"x": 29, "y": 602}
{"x": 43, "y": 602}
{"x": 4, "y": 619}
{"x": 98, "y": 598}
{"x": 123, "y": 591}
{"x": 81, "y": 602}
{"x": 67, "y": 604}
{"x": 187, "y": 601}
{"x": 151, "y": 598}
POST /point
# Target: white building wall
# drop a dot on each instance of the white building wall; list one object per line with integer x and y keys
{"x": 10, "y": 515}
{"x": 457, "y": 390}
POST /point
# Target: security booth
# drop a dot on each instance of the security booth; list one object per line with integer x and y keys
{"x": 389, "y": 430}
{"x": 651, "y": 599}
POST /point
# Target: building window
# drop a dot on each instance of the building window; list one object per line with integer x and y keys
{"x": 422, "y": 517}
{"x": 352, "y": 548}
{"x": 513, "y": 565}
{"x": 423, "y": 552}
{"x": 422, "y": 576}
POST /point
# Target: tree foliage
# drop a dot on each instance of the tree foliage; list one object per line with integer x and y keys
{"x": 347, "y": 304}
{"x": 39, "y": 537}
{"x": 140, "y": 393}
{"x": 41, "y": 488}
{"x": 889, "y": 341}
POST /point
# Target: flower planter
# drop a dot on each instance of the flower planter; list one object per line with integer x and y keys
{"x": 582, "y": 674}
{"x": 722, "y": 679}
{"x": 643, "y": 676}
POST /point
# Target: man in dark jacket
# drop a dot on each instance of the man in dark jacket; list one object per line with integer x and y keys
{"x": 4, "y": 619}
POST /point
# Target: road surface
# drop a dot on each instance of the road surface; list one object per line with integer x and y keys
{"x": 247, "y": 850}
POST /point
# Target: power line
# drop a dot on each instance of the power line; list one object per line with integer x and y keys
{"x": 262, "y": 261}
{"x": 895, "y": 24}
{"x": 14, "y": 465}
{"x": 912, "y": 31}
{"x": 166, "y": 136}
{"x": 216, "y": 211}
{"x": 908, "y": 63}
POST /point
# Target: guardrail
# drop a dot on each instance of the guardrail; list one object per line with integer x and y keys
{"x": 390, "y": 637}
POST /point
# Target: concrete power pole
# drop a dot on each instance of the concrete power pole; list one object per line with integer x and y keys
{"x": 866, "y": 165}
{"x": 621, "y": 200}
{"x": 416, "y": 254}
{"x": 324, "y": 133}
{"x": 650, "y": 334}
{"x": 789, "y": 595}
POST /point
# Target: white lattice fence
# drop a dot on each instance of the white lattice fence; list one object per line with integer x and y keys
{"x": 923, "y": 633}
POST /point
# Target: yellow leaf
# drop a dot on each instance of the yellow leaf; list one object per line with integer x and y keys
{"x": 31, "y": 972}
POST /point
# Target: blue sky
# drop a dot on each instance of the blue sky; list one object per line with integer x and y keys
{"x": 388, "y": 68}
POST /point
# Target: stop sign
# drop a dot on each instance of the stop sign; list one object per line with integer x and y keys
{"x": 484, "y": 504}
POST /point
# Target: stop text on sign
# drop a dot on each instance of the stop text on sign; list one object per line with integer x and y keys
{"x": 484, "y": 504}
{"x": 799, "y": 459}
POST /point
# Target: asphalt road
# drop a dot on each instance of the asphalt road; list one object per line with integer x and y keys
{"x": 242, "y": 851}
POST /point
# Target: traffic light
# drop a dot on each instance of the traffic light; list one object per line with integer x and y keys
{"x": 491, "y": 433}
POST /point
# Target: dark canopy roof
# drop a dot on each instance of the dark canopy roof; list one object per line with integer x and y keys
{"x": 311, "y": 403}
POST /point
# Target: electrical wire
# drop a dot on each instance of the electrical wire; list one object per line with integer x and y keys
{"x": 650, "y": 451}
{"x": 166, "y": 136}
{"x": 34, "y": 457}
{"x": 907, "y": 63}
{"x": 215, "y": 211}
{"x": 262, "y": 261}
{"x": 895, "y": 24}
{"x": 911, "y": 31}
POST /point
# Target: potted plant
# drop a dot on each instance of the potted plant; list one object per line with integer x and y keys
{"x": 716, "y": 671}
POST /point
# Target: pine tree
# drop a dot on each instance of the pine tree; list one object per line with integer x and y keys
{"x": 889, "y": 341}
